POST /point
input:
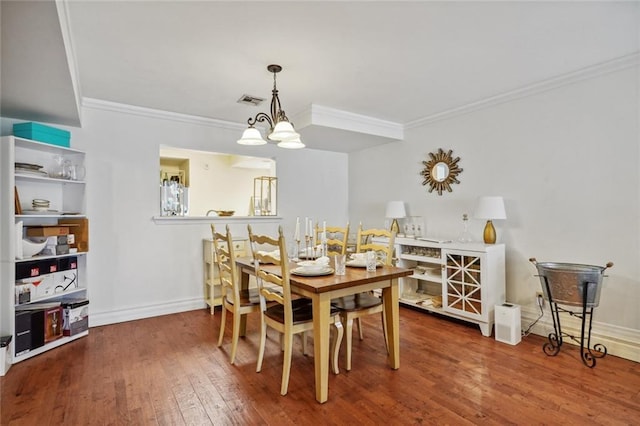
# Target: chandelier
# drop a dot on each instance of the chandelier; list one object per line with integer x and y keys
{"x": 280, "y": 130}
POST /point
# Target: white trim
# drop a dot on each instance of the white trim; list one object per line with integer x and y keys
{"x": 318, "y": 115}
{"x": 147, "y": 311}
{"x": 159, "y": 114}
{"x": 62, "y": 8}
{"x": 196, "y": 220}
{"x": 613, "y": 65}
{"x": 620, "y": 341}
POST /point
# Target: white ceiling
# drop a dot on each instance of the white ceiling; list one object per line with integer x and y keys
{"x": 393, "y": 61}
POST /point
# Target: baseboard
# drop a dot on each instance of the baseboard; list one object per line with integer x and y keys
{"x": 620, "y": 341}
{"x": 146, "y": 311}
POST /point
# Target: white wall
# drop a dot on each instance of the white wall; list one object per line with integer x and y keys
{"x": 566, "y": 161}
{"x": 139, "y": 268}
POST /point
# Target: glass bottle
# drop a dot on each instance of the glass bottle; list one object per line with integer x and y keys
{"x": 465, "y": 235}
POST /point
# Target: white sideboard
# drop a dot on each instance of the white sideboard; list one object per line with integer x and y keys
{"x": 459, "y": 280}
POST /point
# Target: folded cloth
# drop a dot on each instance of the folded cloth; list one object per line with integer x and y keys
{"x": 275, "y": 253}
{"x": 321, "y": 261}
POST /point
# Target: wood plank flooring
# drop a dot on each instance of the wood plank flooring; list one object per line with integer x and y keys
{"x": 168, "y": 371}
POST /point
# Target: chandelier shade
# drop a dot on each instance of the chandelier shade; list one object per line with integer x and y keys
{"x": 283, "y": 131}
{"x": 280, "y": 129}
{"x": 291, "y": 144}
{"x": 251, "y": 136}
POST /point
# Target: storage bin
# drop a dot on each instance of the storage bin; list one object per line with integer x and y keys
{"x": 41, "y": 133}
{"x": 5, "y": 354}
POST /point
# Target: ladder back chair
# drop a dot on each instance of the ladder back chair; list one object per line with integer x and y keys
{"x": 356, "y": 306}
{"x": 336, "y": 239}
{"x": 288, "y": 316}
{"x": 238, "y": 302}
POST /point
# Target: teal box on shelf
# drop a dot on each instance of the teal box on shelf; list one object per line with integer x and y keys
{"x": 42, "y": 133}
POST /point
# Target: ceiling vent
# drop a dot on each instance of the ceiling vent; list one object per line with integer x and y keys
{"x": 250, "y": 100}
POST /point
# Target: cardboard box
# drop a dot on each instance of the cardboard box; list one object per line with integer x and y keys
{"x": 47, "y": 231}
{"x": 54, "y": 240}
{"x": 55, "y": 250}
{"x": 23, "y": 292}
{"x": 53, "y": 322}
{"x": 67, "y": 263}
{"x": 29, "y": 330}
{"x": 47, "y": 285}
{"x": 76, "y": 316}
{"x": 42, "y": 133}
{"x": 35, "y": 268}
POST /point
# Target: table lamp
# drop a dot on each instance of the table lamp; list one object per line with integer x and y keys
{"x": 490, "y": 208}
{"x": 395, "y": 211}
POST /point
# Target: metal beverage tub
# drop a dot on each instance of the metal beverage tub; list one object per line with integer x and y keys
{"x": 577, "y": 285}
{"x": 566, "y": 282}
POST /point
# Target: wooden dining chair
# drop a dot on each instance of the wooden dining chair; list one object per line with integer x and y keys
{"x": 356, "y": 306}
{"x": 238, "y": 302}
{"x": 336, "y": 238}
{"x": 287, "y": 315}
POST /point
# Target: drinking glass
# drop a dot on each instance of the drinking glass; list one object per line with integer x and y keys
{"x": 341, "y": 260}
{"x": 371, "y": 260}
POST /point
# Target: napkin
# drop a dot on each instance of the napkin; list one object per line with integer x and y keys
{"x": 361, "y": 257}
{"x": 275, "y": 253}
{"x": 321, "y": 261}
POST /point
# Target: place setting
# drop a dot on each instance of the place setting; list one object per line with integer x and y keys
{"x": 313, "y": 268}
{"x": 367, "y": 260}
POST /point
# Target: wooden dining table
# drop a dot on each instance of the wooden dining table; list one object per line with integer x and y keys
{"x": 321, "y": 289}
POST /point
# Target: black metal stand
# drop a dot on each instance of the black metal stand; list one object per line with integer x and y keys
{"x": 552, "y": 347}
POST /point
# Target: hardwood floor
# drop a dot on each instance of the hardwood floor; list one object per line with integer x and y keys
{"x": 168, "y": 371}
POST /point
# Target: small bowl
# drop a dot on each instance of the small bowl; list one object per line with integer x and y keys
{"x": 225, "y": 212}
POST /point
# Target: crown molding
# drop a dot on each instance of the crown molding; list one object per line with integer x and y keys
{"x": 318, "y": 115}
{"x": 596, "y": 70}
{"x": 159, "y": 114}
{"x": 62, "y": 8}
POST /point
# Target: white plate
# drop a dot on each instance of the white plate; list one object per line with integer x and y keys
{"x": 41, "y": 212}
{"x": 316, "y": 272}
{"x": 311, "y": 263}
{"x": 29, "y": 172}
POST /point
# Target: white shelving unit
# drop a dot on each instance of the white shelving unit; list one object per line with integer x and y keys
{"x": 67, "y": 201}
{"x": 459, "y": 280}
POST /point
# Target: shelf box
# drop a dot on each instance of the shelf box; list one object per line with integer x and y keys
{"x": 46, "y": 231}
{"x": 41, "y": 133}
{"x": 52, "y": 324}
{"x": 80, "y": 227}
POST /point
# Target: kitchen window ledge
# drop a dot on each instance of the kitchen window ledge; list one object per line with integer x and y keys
{"x": 181, "y": 220}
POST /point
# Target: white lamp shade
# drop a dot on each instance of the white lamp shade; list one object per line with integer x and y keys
{"x": 291, "y": 144}
{"x": 395, "y": 210}
{"x": 490, "y": 208}
{"x": 283, "y": 131}
{"x": 251, "y": 136}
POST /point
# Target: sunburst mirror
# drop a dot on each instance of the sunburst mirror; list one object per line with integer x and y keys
{"x": 441, "y": 171}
